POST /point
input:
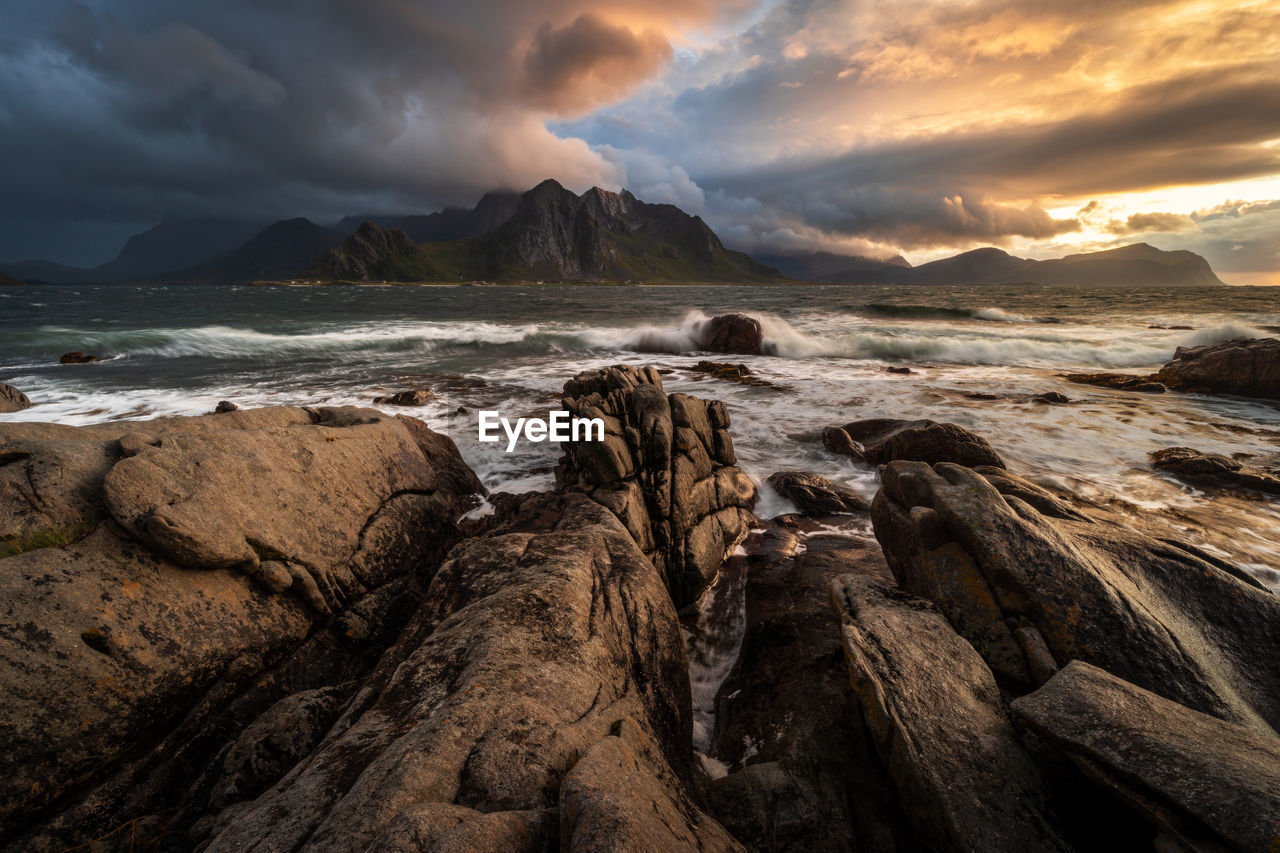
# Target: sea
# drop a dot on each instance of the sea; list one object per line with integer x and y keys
{"x": 180, "y": 349}
{"x": 978, "y": 356}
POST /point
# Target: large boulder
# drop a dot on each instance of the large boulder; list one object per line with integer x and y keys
{"x": 732, "y": 333}
{"x": 12, "y": 400}
{"x": 1249, "y": 367}
{"x": 937, "y": 719}
{"x": 666, "y": 469}
{"x": 543, "y": 675}
{"x": 1033, "y": 587}
{"x": 1210, "y": 784}
{"x": 178, "y": 577}
{"x": 881, "y": 440}
{"x": 1214, "y": 470}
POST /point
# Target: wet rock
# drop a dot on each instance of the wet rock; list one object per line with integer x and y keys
{"x": 78, "y": 358}
{"x": 805, "y": 776}
{"x": 1052, "y": 398}
{"x": 838, "y": 441}
{"x": 981, "y": 395}
{"x": 1248, "y": 367}
{"x": 887, "y": 439}
{"x": 225, "y": 406}
{"x": 729, "y": 372}
{"x": 545, "y": 670}
{"x": 1210, "y": 784}
{"x": 936, "y": 717}
{"x": 1159, "y": 614}
{"x": 666, "y": 469}
{"x": 412, "y": 397}
{"x": 214, "y": 565}
{"x": 12, "y": 400}
{"x": 1120, "y": 381}
{"x": 905, "y": 371}
{"x": 735, "y": 333}
{"x": 1215, "y": 470}
{"x": 815, "y": 494}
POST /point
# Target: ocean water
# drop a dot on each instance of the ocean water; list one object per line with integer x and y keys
{"x": 181, "y": 349}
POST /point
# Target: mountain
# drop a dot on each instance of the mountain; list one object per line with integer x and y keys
{"x": 452, "y": 223}
{"x": 552, "y": 235}
{"x": 282, "y": 250}
{"x": 5, "y": 280}
{"x": 842, "y": 269}
{"x": 176, "y": 244}
{"x": 1138, "y": 263}
{"x": 172, "y": 244}
{"x": 1134, "y": 265}
{"x": 980, "y": 266}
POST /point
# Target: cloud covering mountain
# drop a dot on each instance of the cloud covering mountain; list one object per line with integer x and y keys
{"x": 861, "y": 127}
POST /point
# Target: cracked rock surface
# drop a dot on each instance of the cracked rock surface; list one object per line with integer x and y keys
{"x": 1033, "y": 588}
{"x": 203, "y": 564}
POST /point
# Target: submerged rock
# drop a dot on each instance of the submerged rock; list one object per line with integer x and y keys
{"x": 78, "y": 358}
{"x": 1120, "y": 381}
{"x": 886, "y": 439}
{"x": 1032, "y": 589}
{"x": 937, "y": 719}
{"x": 1248, "y": 367}
{"x": 666, "y": 469}
{"x": 12, "y": 400}
{"x": 1210, "y": 784}
{"x": 815, "y": 494}
{"x": 734, "y": 333}
{"x": 412, "y": 397}
{"x": 1214, "y": 469}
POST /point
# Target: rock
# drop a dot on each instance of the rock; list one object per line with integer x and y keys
{"x": 816, "y": 495}
{"x": 12, "y": 400}
{"x": 981, "y": 395}
{"x": 213, "y": 566}
{"x": 225, "y": 406}
{"x": 901, "y": 370}
{"x": 545, "y": 670}
{"x": 936, "y": 717}
{"x": 1120, "y": 381}
{"x": 734, "y": 333}
{"x": 623, "y": 796}
{"x": 412, "y": 397}
{"x": 886, "y": 439}
{"x": 729, "y": 372}
{"x": 1163, "y": 616}
{"x": 1247, "y": 367}
{"x": 1215, "y": 470}
{"x": 78, "y": 358}
{"x": 838, "y": 441}
{"x": 1052, "y": 398}
{"x": 811, "y": 780}
{"x": 666, "y": 469}
{"x": 1210, "y": 784}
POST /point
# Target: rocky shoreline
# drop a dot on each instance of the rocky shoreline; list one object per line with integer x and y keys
{"x": 287, "y": 629}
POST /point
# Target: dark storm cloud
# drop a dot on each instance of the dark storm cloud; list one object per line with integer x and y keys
{"x": 126, "y": 111}
{"x": 588, "y": 63}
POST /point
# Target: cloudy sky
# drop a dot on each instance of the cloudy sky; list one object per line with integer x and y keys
{"x": 862, "y": 126}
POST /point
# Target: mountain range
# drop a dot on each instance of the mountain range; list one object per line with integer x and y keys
{"x": 550, "y": 233}
{"x": 1137, "y": 264}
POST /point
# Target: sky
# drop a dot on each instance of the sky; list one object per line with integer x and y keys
{"x": 857, "y": 126}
